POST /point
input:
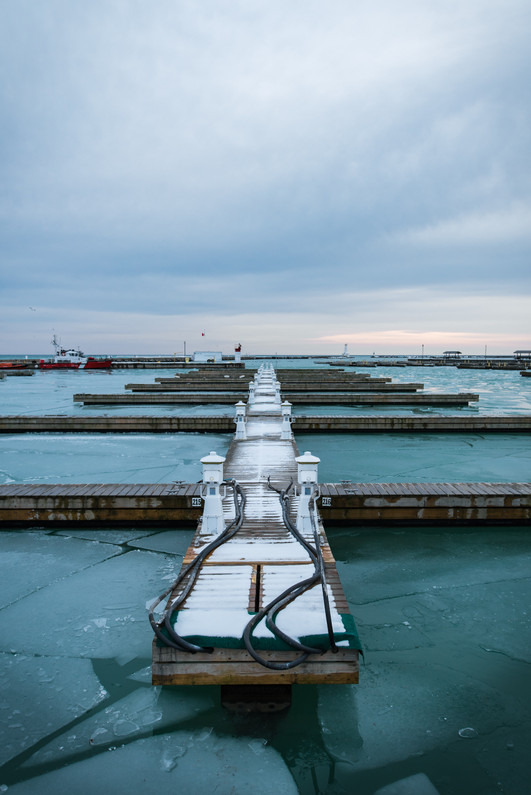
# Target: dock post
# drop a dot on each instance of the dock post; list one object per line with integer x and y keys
{"x": 213, "y": 521}
{"x": 286, "y": 420}
{"x": 307, "y": 477}
{"x": 240, "y": 420}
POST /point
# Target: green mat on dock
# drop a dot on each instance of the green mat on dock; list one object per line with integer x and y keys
{"x": 347, "y": 638}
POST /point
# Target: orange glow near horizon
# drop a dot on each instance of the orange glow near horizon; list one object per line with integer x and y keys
{"x": 440, "y": 340}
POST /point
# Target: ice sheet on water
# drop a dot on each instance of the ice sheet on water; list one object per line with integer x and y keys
{"x": 139, "y": 712}
{"x": 406, "y": 708}
{"x": 30, "y": 561}
{"x": 176, "y": 762}
{"x": 402, "y": 457}
{"x": 175, "y": 542}
{"x": 506, "y": 604}
{"x": 98, "y": 612}
{"x": 505, "y": 757}
{"x": 419, "y": 784}
{"x": 143, "y": 675}
{"x": 39, "y": 695}
{"x": 114, "y": 458}
{"x": 394, "y": 563}
{"x": 104, "y": 535}
{"x": 342, "y": 741}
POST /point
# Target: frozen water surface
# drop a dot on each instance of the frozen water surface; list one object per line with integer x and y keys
{"x": 444, "y": 619}
{"x": 98, "y": 613}
{"x": 444, "y": 698}
{"x": 105, "y": 458}
{"x": 164, "y": 458}
{"x": 40, "y": 695}
{"x": 174, "y": 541}
{"x": 114, "y": 536}
{"x": 503, "y": 392}
{"x": 424, "y": 457}
{"x": 29, "y": 561}
{"x": 199, "y": 762}
{"x": 138, "y": 713}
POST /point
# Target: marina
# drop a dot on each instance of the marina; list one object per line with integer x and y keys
{"x": 265, "y": 499}
{"x": 421, "y": 589}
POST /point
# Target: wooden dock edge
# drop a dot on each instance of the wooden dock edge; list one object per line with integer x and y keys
{"x": 339, "y": 504}
{"x": 302, "y": 423}
{"x": 236, "y": 667}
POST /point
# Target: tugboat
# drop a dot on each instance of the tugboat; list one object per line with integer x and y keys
{"x": 71, "y": 359}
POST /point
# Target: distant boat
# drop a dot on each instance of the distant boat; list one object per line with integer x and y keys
{"x": 13, "y": 366}
{"x": 71, "y": 359}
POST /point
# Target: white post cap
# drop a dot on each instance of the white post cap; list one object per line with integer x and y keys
{"x": 213, "y": 458}
{"x": 308, "y": 458}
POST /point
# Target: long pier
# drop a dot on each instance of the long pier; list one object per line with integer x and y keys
{"x": 333, "y": 423}
{"x": 363, "y": 385}
{"x": 307, "y": 398}
{"x": 266, "y": 607}
{"x": 346, "y": 503}
{"x": 301, "y": 387}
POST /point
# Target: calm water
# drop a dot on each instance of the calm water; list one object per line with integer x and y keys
{"x": 443, "y": 615}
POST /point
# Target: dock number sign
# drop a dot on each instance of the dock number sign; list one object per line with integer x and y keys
{"x": 196, "y": 502}
{"x": 326, "y": 502}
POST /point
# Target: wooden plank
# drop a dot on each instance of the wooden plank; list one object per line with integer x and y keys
{"x": 234, "y": 666}
{"x": 301, "y": 423}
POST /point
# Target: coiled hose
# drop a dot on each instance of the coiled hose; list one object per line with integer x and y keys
{"x": 271, "y": 610}
{"x": 187, "y": 578}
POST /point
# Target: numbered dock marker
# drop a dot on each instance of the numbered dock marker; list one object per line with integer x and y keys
{"x": 196, "y": 502}
{"x": 326, "y": 502}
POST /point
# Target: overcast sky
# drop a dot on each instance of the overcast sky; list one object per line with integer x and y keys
{"x": 293, "y": 176}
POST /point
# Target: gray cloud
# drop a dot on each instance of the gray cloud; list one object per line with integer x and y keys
{"x": 185, "y": 158}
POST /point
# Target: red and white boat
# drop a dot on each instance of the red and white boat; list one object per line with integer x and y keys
{"x": 70, "y": 359}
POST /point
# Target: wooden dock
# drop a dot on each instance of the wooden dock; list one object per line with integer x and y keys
{"x": 223, "y": 614}
{"x": 350, "y": 503}
{"x": 307, "y": 398}
{"x": 302, "y": 387}
{"x": 363, "y": 385}
{"x": 284, "y": 376}
{"x": 333, "y": 423}
{"x": 346, "y": 503}
{"x": 100, "y": 504}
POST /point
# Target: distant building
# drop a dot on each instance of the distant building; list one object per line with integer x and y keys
{"x": 452, "y": 354}
{"x": 208, "y": 356}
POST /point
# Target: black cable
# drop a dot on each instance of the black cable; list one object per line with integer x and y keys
{"x": 290, "y": 594}
{"x": 190, "y": 573}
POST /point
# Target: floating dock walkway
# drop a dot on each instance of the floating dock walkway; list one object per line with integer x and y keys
{"x": 266, "y": 606}
{"x": 346, "y": 503}
{"x": 307, "y": 398}
{"x": 317, "y": 387}
{"x": 333, "y": 423}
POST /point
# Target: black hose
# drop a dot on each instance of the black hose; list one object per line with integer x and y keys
{"x": 188, "y": 576}
{"x": 291, "y": 593}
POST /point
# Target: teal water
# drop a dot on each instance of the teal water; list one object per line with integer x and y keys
{"x": 443, "y": 615}
{"x": 51, "y": 392}
{"x": 164, "y": 458}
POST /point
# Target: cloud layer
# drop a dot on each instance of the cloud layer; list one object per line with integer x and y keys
{"x": 274, "y": 172}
